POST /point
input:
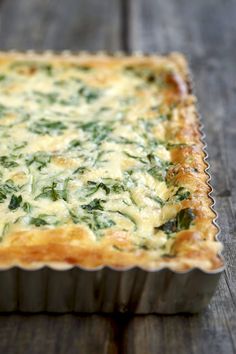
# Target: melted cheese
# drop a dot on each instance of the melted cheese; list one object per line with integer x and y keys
{"x": 89, "y": 144}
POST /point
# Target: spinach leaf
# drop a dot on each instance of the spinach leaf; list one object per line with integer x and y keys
{"x": 117, "y": 188}
{"x": 7, "y": 188}
{"x": 50, "y": 192}
{"x": 182, "y": 194}
{"x": 47, "y": 127}
{"x": 15, "y": 202}
{"x": 95, "y": 204}
{"x": 74, "y": 144}
{"x": 80, "y": 170}
{"x": 110, "y": 186}
{"x": 44, "y": 219}
{"x": 182, "y": 221}
{"x": 89, "y": 94}
{"x": 54, "y": 192}
{"x": 185, "y": 218}
{"x": 3, "y": 196}
{"x": 39, "y": 221}
{"x": 40, "y": 159}
{"x": 95, "y": 220}
{"x": 75, "y": 218}
{"x": 157, "y": 174}
{"x": 139, "y": 158}
{"x": 93, "y": 187}
{"x": 158, "y": 168}
{"x": 27, "y": 207}
{"x": 98, "y": 130}
{"x": 98, "y": 157}
{"x": 125, "y": 141}
{"x": 19, "y": 146}
{"x": 101, "y": 221}
{"x": 48, "y": 69}
{"x": 50, "y": 97}
{"x": 8, "y": 162}
{"x": 154, "y": 160}
{"x": 157, "y": 200}
{"x": 169, "y": 227}
{"x": 64, "y": 192}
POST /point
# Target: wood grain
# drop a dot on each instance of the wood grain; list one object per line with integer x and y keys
{"x": 57, "y": 334}
{"x": 205, "y": 31}
{"x": 58, "y": 24}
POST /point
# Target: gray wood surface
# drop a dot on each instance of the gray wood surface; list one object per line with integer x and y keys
{"x": 205, "y": 31}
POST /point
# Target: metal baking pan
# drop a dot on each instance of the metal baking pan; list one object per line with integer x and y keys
{"x": 105, "y": 289}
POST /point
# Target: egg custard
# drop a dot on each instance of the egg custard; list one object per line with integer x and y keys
{"x": 101, "y": 163}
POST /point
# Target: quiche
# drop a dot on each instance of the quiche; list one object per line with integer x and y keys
{"x": 102, "y": 163}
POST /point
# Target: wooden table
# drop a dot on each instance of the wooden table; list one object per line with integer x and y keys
{"x": 206, "y": 31}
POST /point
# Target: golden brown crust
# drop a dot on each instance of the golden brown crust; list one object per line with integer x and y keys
{"x": 59, "y": 245}
{"x": 193, "y": 248}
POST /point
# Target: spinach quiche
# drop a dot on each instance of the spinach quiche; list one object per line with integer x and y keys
{"x": 101, "y": 163}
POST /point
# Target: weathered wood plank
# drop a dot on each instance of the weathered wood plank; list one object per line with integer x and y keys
{"x": 27, "y": 334}
{"x": 57, "y": 24}
{"x": 204, "y": 31}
